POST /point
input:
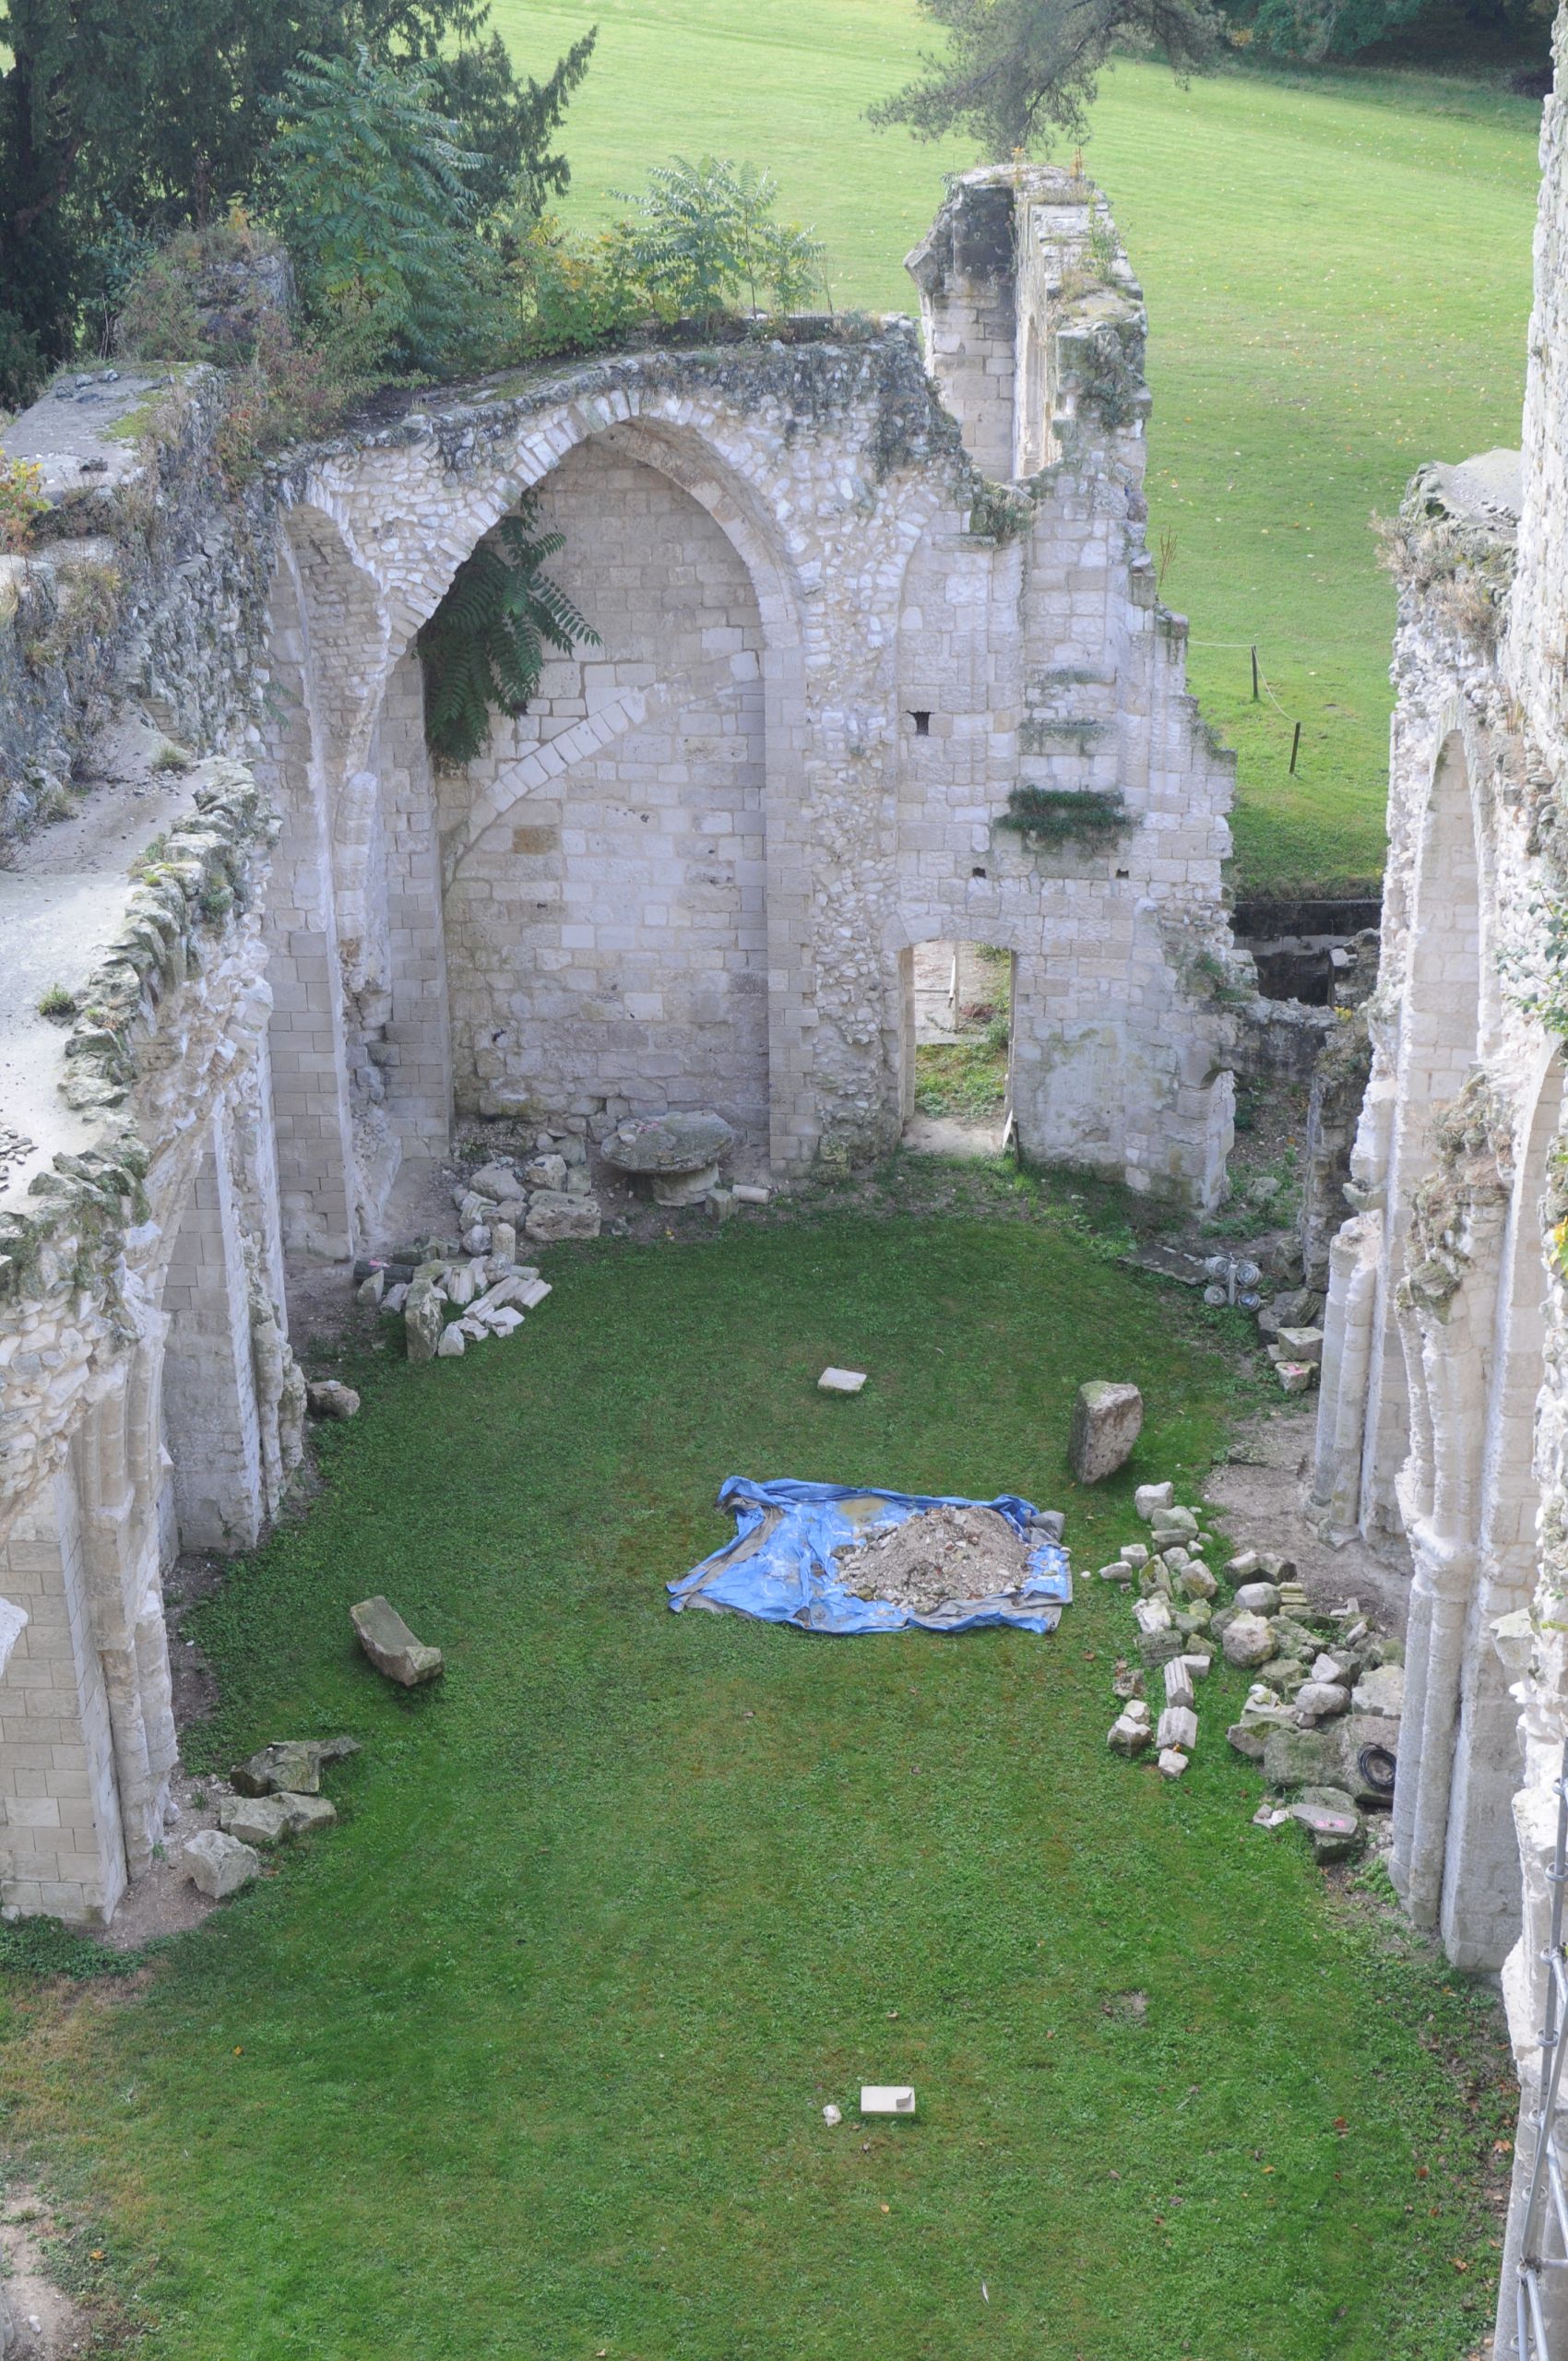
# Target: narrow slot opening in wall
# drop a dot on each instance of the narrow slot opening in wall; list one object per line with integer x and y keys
{"x": 921, "y": 720}
{"x": 956, "y": 1078}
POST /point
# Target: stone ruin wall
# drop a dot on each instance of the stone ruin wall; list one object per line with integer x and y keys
{"x": 1442, "y": 1433}
{"x": 845, "y": 610}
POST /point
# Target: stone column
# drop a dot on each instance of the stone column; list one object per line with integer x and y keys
{"x": 209, "y": 1405}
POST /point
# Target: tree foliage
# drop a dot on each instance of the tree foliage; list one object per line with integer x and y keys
{"x": 485, "y": 644}
{"x": 1018, "y": 74}
{"x": 154, "y": 116}
{"x": 704, "y": 234}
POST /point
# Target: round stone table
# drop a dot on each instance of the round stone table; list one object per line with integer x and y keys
{"x": 678, "y": 1155}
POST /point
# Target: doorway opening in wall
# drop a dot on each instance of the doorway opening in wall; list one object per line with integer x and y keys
{"x": 958, "y": 1063}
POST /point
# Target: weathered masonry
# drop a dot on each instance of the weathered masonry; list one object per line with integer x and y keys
{"x": 1443, "y": 1423}
{"x": 881, "y": 664}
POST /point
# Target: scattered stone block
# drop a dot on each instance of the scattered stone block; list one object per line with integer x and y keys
{"x": 1295, "y": 1377}
{"x": 1178, "y": 1682}
{"x": 1128, "y": 1682}
{"x": 1302, "y": 1344}
{"x": 391, "y": 1646}
{"x": 1156, "y": 1648}
{"x": 1197, "y": 1582}
{"x": 1129, "y": 1738}
{"x": 1331, "y": 1821}
{"x": 1118, "y": 1572}
{"x": 1197, "y": 1666}
{"x": 1172, "y": 1764}
{"x": 497, "y": 1181}
{"x": 1380, "y": 1690}
{"x": 1320, "y": 1701}
{"x": 218, "y": 1865}
{"x": 424, "y": 1319}
{"x": 1107, "y": 1419}
{"x": 1258, "y": 1598}
{"x": 545, "y": 1172}
{"x": 832, "y": 2114}
{"x": 1152, "y": 1614}
{"x": 747, "y": 1192}
{"x": 551, "y": 1218}
{"x": 1173, "y": 1525}
{"x": 1150, "y": 1497}
{"x": 533, "y": 1292}
{"x": 886, "y": 2098}
{"x": 369, "y": 1291}
{"x": 503, "y": 1241}
{"x": 1299, "y": 1758}
{"x": 1243, "y": 1566}
{"x": 394, "y": 1298}
{"x": 268, "y": 1820}
{"x": 328, "y": 1399}
{"x": 453, "y": 1343}
{"x": 1178, "y": 1727}
{"x": 1248, "y": 1640}
{"x": 1135, "y": 1554}
{"x": 1246, "y": 1741}
{"x": 841, "y": 1381}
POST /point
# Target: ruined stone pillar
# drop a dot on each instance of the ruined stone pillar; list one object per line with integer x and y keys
{"x": 210, "y": 1397}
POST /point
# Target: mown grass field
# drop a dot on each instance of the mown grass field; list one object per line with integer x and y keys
{"x": 1338, "y": 270}
{"x": 527, "y": 2056}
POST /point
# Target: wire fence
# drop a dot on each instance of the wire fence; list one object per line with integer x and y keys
{"x": 1261, "y": 686}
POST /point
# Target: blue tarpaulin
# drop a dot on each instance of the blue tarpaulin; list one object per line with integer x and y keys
{"x": 780, "y": 1567}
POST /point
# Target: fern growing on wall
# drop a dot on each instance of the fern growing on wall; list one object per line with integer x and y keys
{"x": 485, "y": 644}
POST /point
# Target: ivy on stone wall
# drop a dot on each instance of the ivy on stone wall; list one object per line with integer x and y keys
{"x": 485, "y": 644}
{"x": 1057, "y": 815}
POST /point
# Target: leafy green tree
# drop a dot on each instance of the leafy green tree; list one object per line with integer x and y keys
{"x": 485, "y": 643}
{"x": 159, "y": 113}
{"x": 1019, "y": 73}
{"x": 704, "y": 234}
{"x": 372, "y": 193}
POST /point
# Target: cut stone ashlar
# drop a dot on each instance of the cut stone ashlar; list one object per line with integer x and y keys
{"x": 1107, "y": 1420}
{"x": 1178, "y": 1727}
{"x": 887, "y": 2099}
{"x": 841, "y": 1381}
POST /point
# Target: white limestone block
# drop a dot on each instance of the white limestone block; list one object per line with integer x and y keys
{"x": 886, "y": 2098}
{"x": 841, "y": 1381}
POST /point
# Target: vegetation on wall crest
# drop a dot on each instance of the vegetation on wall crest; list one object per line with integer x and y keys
{"x": 485, "y": 644}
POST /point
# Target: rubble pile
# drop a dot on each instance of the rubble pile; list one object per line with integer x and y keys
{"x": 1323, "y": 1710}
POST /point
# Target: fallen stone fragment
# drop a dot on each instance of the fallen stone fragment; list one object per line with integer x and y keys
{"x": 371, "y": 1290}
{"x": 424, "y": 1319}
{"x": 1128, "y": 1736}
{"x": 1158, "y": 1647}
{"x": 1197, "y": 1666}
{"x": 1259, "y": 1598}
{"x": 1178, "y": 1727}
{"x": 394, "y": 1298}
{"x": 533, "y": 1292}
{"x": 1152, "y": 1614}
{"x": 1246, "y": 1741}
{"x": 268, "y": 1820}
{"x": 328, "y": 1399}
{"x": 1298, "y": 1758}
{"x": 841, "y": 1381}
{"x": 291, "y": 1765}
{"x": 1380, "y": 1690}
{"x": 503, "y": 1241}
{"x": 1172, "y": 1764}
{"x": 1128, "y": 1682}
{"x": 1248, "y": 1640}
{"x": 1178, "y": 1682}
{"x": 498, "y": 1182}
{"x": 502, "y": 1319}
{"x": 545, "y": 1172}
{"x": 886, "y": 2098}
{"x": 1176, "y": 1525}
{"x": 454, "y": 1344}
{"x": 1320, "y": 1701}
{"x": 553, "y": 1217}
{"x": 218, "y": 1865}
{"x": 1243, "y": 1567}
{"x": 1107, "y": 1421}
{"x": 1119, "y": 1572}
{"x": 391, "y": 1646}
{"x": 1271, "y": 1815}
{"x": 1331, "y": 1821}
{"x": 1134, "y": 1554}
{"x": 460, "y": 1288}
{"x": 747, "y": 1192}
{"x": 1150, "y": 1497}
{"x": 832, "y": 2114}
{"x": 1295, "y": 1377}
{"x": 1301, "y": 1345}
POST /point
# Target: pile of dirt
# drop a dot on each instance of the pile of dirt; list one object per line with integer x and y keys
{"x": 936, "y": 1557}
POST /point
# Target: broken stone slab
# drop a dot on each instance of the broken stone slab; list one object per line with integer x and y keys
{"x": 1331, "y": 1821}
{"x": 1259, "y": 1598}
{"x": 1321, "y": 1701}
{"x": 453, "y": 1342}
{"x": 1299, "y": 1758}
{"x": 1107, "y": 1419}
{"x": 1178, "y": 1682}
{"x": 290, "y": 1766}
{"x": 502, "y": 1319}
{"x": 1155, "y": 1581}
{"x": 1248, "y": 1640}
{"x": 1150, "y": 1497}
{"x": 1172, "y": 1764}
{"x": 553, "y": 1217}
{"x": 218, "y": 1865}
{"x": 1178, "y": 1727}
{"x": 841, "y": 1381}
{"x": 1380, "y": 1690}
{"x": 1128, "y": 1738}
{"x": 268, "y": 1820}
{"x": 328, "y": 1399}
{"x": 424, "y": 1319}
{"x": 391, "y": 1646}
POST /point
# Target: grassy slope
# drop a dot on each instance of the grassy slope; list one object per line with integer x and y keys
{"x": 527, "y": 2057}
{"x": 1338, "y": 277}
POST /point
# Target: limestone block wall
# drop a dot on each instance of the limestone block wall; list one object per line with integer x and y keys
{"x": 607, "y": 942}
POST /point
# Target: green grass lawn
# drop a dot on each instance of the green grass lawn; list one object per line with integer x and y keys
{"x": 526, "y": 2058}
{"x": 1338, "y": 273}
